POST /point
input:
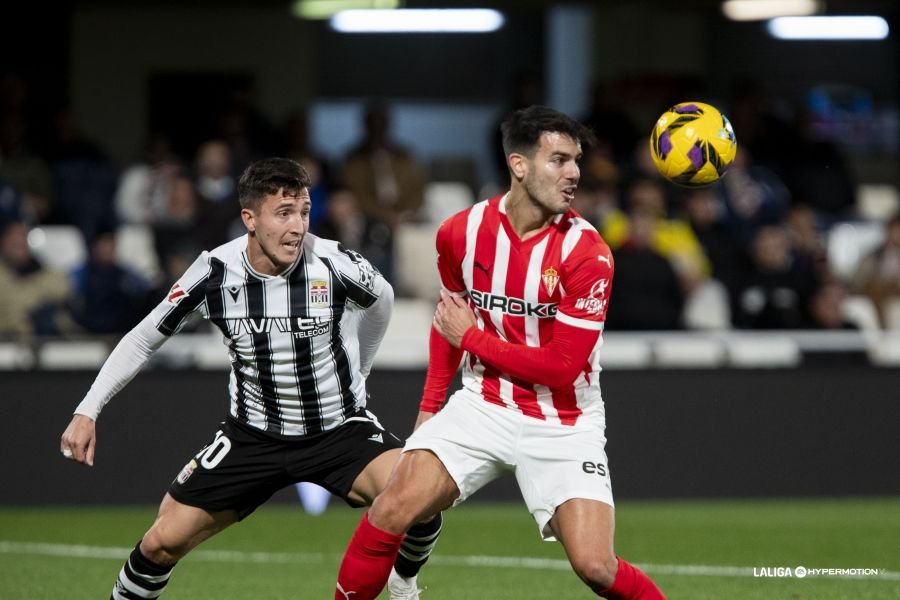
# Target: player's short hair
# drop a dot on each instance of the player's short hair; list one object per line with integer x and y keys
{"x": 269, "y": 175}
{"x": 522, "y": 130}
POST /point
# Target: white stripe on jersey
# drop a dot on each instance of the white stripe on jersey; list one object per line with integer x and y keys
{"x": 476, "y": 214}
{"x": 292, "y": 338}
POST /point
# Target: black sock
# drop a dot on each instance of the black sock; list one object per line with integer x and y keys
{"x": 417, "y": 546}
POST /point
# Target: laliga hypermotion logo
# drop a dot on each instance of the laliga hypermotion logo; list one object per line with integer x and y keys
{"x": 551, "y": 278}
{"x": 594, "y": 303}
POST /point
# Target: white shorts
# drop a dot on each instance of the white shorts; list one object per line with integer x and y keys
{"x": 478, "y": 441}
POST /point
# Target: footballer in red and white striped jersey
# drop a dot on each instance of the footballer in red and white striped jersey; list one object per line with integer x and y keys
{"x": 525, "y": 292}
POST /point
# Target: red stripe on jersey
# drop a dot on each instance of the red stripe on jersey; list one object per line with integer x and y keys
{"x": 515, "y": 288}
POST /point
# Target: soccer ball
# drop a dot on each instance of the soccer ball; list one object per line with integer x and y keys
{"x": 692, "y": 144}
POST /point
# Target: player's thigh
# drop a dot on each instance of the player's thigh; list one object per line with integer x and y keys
{"x": 374, "y": 477}
{"x": 419, "y": 487}
{"x": 558, "y": 463}
{"x": 586, "y": 528}
{"x": 178, "y": 528}
{"x": 471, "y": 439}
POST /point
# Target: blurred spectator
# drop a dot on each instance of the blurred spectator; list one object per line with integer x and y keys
{"x": 85, "y": 180}
{"x": 806, "y": 237}
{"x": 296, "y": 146}
{"x": 646, "y": 292}
{"x": 774, "y": 289}
{"x": 10, "y": 204}
{"x": 216, "y": 189}
{"x": 671, "y": 237}
{"x": 818, "y": 175}
{"x": 144, "y": 187}
{"x": 387, "y": 180}
{"x": 526, "y": 89}
{"x": 705, "y": 215}
{"x": 345, "y": 222}
{"x": 752, "y": 196}
{"x": 596, "y": 201}
{"x": 878, "y": 274}
{"x": 25, "y": 170}
{"x": 245, "y": 130}
{"x": 30, "y": 294}
{"x": 107, "y": 298}
{"x": 611, "y": 123}
{"x": 177, "y": 227}
{"x": 826, "y": 307}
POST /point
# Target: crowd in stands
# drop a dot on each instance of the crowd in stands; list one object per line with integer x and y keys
{"x": 749, "y": 251}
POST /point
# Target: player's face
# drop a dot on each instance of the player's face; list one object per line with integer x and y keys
{"x": 277, "y": 229}
{"x": 553, "y": 173}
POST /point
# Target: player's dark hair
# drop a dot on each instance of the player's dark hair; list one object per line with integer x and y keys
{"x": 269, "y": 175}
{"x": 522, "y": 130}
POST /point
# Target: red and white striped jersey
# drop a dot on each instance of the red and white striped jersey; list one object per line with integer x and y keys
{"x": 522, "y": 293}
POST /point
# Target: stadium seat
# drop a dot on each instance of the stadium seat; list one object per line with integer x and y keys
{"x": 892, "y": 314}
{"x": 623, "y": 351}
{"x": 72, "y": 355}
{"x": 15, "y": 356}
{"x": 59, "y": 247}
{"x": 860, "y": 311}
{"x": 877, "y": 202}
{"x": 767, "y": 350}
{"x": 848, "y": 243}
{"x": 445, "y": 198}
{"x": 688, "y": 352}
{"x": 135, "y": 249}
{"x": 708, "y": 308}
{"x": 405, "y": 344}
{"x": 415, "y": 261}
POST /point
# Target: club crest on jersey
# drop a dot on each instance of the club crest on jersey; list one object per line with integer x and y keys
{"x": 550, "y": 278}
{"x": 318, "y": 293}
{"x": 176, "y": 294}
{"x": 595, "y": 301}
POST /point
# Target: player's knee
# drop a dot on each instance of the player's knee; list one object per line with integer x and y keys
{"x": 156, "y": 548}
{"x": 597, "y": 572}
{"x": 392, "y": 512}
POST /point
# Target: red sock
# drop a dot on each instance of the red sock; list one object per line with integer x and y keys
{"x": 367, "y": 562}
{"x": 632, "y": 584}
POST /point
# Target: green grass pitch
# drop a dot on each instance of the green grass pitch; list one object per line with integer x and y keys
{"x": 695, "y": 550}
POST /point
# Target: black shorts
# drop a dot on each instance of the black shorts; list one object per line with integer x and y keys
{"x": 242, "y": 467}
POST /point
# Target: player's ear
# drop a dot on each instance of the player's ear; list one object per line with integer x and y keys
{"x": 518, "y": 165}
{"x": 249, "y": 219}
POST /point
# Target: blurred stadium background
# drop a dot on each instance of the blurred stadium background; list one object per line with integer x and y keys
{"x": 130, "y": 119}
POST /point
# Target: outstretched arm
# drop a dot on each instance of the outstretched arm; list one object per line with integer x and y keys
{"x": 126, "y": 360}
{"x": 555, "y": 364}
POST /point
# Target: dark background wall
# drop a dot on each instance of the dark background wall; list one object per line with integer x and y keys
{"x": 723, "y": 433}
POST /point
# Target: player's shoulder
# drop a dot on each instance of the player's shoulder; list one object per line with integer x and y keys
{"x": 584, "y": 239}
{"x": 229, "y": 252}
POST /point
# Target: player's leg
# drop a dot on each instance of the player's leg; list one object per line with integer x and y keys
{"x": 178, "y": 529}
{"x": 564, "y": 476}
{"x": 585, "y": 529}
{"x": 419, "y": 488}
{"x": 223, "y": 483}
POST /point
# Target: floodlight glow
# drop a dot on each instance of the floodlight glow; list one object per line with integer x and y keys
{"x": 829, "y": 28}
{"x": 437, "y": 20}
{"x": 759, "y": 10}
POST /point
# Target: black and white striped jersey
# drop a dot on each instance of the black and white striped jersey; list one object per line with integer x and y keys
{"x": 293, "y": 338}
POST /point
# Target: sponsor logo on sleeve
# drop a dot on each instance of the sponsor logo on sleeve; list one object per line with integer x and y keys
{"x": 176, "y": 294}
{"x": 595, "y": 302}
